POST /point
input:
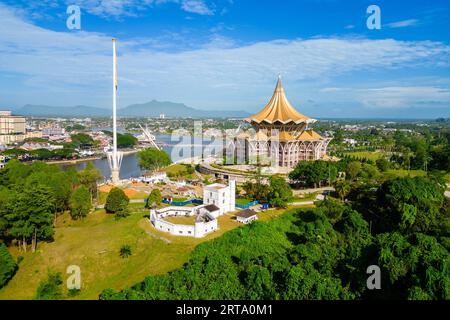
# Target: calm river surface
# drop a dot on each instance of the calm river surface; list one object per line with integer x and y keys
{"x": 182, "y": 148}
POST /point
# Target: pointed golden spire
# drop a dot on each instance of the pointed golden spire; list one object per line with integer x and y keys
{"x": 279, "y": 109}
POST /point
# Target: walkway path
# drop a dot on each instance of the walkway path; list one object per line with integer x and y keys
{"x": 101, "y": 206}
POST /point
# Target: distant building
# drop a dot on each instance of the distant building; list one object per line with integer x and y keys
{"x": 51, "y": 132}
{"x": 350, "y": 141}
{"x": 246, "y": 216}
{"x": 29, "y": 146}
{"x": 155, "y": 178}
{"x": 162, "y": 116}
{"x": 12, "y": 128}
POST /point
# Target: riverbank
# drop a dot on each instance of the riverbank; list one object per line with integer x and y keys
{"x": 87, "y": 159}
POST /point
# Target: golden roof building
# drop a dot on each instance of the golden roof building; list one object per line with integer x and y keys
{"x": 279, "y": 135}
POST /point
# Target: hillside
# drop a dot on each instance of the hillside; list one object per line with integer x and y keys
{"x": 150, "y": 109}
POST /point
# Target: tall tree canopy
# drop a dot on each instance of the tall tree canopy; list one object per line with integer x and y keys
{"x": 153, "y": 159}
{"x": 80, "y": 203}
{"x": 279, "y": 193}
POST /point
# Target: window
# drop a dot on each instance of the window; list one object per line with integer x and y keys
{"x": 181, "y": 232}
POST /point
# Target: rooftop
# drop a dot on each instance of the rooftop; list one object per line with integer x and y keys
{"x": 247, "y": 213}
{"x": 279, "y": 110}
{"x": 211, "y": 207}
{"x": 216, "y": 186}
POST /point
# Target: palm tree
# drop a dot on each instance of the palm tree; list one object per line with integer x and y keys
{"x": 343, "y": 188}
{"x": 125, "y": 251}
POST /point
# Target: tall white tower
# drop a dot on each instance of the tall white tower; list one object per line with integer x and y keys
{"x": 115, "y": 157}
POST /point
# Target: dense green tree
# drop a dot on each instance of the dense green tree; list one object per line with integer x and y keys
{"x": 383, "y": 164}
{"x": 409, "y": 204}
{"x": 6, "y": 199}
{"x": 72, "y": 177}
{"x": 42, "y": 154}
{"x": 14, "y": 173}
{"x": 313, "y": 173}
{"x": 31, "y": 215}
{"x": 117, "y": 202}
{"x": 80, "y": 203}
{"x": 89, "y": 178}
{"x": 61, "y": 188}
{"x": 81, "y": 139}
{"x": 126, "y": 140}
{"x": 369, "y": 172}
{"x": 440, "y": 158}
{"x": 8, "y": 266}
{"x": 342, "y": 188}
{"x": 255, "y": 188}
{"x": 153, "y": 159}
{"x": 353, "y": 169}
{"x": 417, "y": 265}
{"x": 154, "y": 197}
{"x": 333, "y": 208}
{"x": 279, "y": 193}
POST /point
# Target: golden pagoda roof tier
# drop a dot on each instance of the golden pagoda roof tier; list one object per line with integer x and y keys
{"x": 285, "y": 136}
{"x": 309, "y": 135}
{"x": 279, "y": 110}
{"x": 259, "y": 136}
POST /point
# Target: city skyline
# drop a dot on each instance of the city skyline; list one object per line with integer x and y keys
{"x": 227, "y": 54}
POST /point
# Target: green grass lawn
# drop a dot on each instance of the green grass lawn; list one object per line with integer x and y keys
{"x": 370, "y": 155}
{"x": 306, "y": 197}
{"x": 391, "y": 173}
{"x": 178, "y": 170}
{"x": 181, "y": 220}
{"x": 243, "y": 201}
{"x": 179, "y": 199}
{"x": 94, "y": 243}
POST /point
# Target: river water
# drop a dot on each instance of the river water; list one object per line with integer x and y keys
{"x": 177, "y": 147}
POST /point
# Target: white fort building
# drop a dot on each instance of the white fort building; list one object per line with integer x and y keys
{"x": 217, "y": 200}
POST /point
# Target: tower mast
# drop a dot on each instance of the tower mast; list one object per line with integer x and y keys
{"x": 115, "y": 158}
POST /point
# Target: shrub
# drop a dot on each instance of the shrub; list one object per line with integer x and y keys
{"x": 154, "y": 197}
{"x": 50, "y": 289}
{"x": 125, "y": 251}
{"x": 8, "y": 266}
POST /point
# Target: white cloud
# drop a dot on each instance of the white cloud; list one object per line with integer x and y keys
{"x": 403, "y": 23}
{"x": 117, "y": 8}
{"x": 392, "y": 96}
{"x": 76, "y": 67}
{"x": 196, "y": 6}
{"x": 404, "y": 97}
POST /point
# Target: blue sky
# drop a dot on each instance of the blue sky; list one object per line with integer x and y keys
{"x": 227, "y": 54}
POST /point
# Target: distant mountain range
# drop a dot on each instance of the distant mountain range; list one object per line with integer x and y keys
{"x": 150, "y": 109}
